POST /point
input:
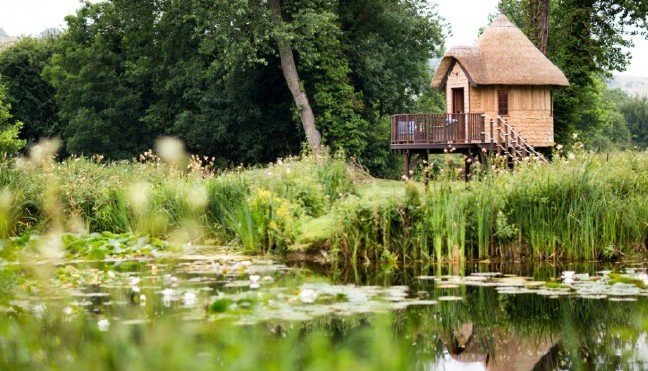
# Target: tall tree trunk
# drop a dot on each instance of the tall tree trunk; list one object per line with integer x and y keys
{"x": 540, "y": 23}
{"x": 289, "y": 69}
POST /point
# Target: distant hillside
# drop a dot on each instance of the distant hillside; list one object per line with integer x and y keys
{"x": 630, "y": 84}
{"x": 5, "y": 39}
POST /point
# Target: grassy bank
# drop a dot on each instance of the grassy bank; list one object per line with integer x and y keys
{"x": 588, "y": 207}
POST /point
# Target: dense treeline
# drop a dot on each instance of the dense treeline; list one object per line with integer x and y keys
{"x": 124, "y": 73}
{"x": 588, "y": 40}
{"x": 210, "y": 72}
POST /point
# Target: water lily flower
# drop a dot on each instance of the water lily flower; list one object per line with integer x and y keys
{"x": 644, "y": 277}
{"x": 189, "y": 299}
{"x": 308, "y": 296}
{"x": 568, "y": 277}
{"x": 254, "y": 281}
{"x": 134, "y": 281}
{"x": 103, "y": 324}
{"x": 167, "y": 297}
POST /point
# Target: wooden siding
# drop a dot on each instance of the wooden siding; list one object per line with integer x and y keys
{"x": 529, "y": 110}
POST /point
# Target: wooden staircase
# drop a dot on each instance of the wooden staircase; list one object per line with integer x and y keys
{"x": 510, "y": 143}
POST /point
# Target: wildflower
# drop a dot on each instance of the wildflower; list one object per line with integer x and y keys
{"x": 308, "y": 296}
{"x": 559, "y": 147}
{"x": 67, "y": 311}
{"x": 103, "y": 324}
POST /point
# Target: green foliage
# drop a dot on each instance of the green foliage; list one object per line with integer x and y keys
{"x": 32, "y": 99}
{"x": 634, "y": 111}
{"x": 587, "y": 40}
{"x": 9, "y": 128}
{"x": 585, "y": 208}
{"x": 208, "y": 73}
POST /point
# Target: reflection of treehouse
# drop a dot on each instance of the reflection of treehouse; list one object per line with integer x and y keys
{"x": 502, "y": 350}
{"x": 499, "y": 99}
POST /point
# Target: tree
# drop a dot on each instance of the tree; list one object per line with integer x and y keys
{"x": 231, "y": 77}
{"x": 634, "y": 110}
{"x": 588, "y": 40}
{"x": 291, "y": 75}
{"x": 539, "y": 24}
{"x": 9, "y": 128}
{"x": 32, "y": 99}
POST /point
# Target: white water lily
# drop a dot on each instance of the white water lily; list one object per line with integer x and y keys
{"x": 308, "y": 296}
{"x": 568, "y": 277}
{"x": 167, "y": 297}
{"x": 254, "y": 281}
{"x": 103, "y": 324}
{"x": 643, "y": 276}
{"x": 189, "y": 299}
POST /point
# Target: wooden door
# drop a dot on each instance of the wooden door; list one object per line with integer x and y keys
{"x": 459, "y": 117}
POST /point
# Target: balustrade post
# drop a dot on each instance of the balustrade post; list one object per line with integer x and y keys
{"x": 492, "y": 138}
{"x": 466, "y": 117}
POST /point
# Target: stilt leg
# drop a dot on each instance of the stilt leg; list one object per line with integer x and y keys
{"x": 407, "y": 157}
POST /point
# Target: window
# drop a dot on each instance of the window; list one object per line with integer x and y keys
{"x": 502, "y": 102}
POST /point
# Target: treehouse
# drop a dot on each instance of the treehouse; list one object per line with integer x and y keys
{"x": 498, "y": 95}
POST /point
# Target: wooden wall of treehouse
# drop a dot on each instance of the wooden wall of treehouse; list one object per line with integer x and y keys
{"x": 530, "y": 109}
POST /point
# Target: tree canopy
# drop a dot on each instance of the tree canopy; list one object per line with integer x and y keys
{"x": 210, "y": 73}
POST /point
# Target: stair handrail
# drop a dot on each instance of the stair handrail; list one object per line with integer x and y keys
{"x": 520, "y": 141}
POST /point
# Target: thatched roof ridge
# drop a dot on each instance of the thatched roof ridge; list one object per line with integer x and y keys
{"x": 503, "y": 55}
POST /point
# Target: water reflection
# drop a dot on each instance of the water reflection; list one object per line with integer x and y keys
{"x": 438, "y": 323}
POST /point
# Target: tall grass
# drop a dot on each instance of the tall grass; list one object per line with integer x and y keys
{"x": 589, "y": 207}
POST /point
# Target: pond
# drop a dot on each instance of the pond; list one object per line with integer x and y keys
{"x": 227, "y": 308}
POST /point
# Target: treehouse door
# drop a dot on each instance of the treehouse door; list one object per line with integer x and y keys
{"x": 458, "y": 115}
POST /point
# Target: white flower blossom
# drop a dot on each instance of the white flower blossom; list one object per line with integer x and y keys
{"x": 103, "y": 324}
{"x": 308, "y": 296}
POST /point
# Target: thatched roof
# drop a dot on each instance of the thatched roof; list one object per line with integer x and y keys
{"x": 503, "y": 55}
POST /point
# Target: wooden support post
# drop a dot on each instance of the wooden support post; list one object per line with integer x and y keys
{"x": 467, "y": 162}
{"x": 426, "y": 170}
{"x": 407, "y": 157}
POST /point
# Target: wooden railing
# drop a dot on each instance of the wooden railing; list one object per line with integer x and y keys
{"x": 438, "y": 128}
{"x": 505, "y": 140}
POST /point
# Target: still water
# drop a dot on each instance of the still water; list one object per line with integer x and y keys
{"x": 472, "y": 316}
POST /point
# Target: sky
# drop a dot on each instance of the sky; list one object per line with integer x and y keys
{"x": 30, "y": 17}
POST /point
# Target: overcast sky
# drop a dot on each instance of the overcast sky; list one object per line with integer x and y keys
{"x": 30, "y": 17}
